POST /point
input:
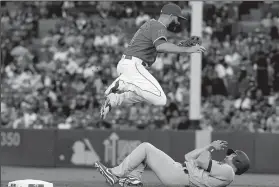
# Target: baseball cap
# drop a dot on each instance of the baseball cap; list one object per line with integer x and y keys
{"x": 172, "y": 9}
{"x": 241, "y": 161}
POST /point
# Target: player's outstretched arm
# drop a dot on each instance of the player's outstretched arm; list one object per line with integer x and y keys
{"x": 168, "y": 47}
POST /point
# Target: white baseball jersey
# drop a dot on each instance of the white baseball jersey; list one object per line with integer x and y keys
{"x": 220, "y": 175}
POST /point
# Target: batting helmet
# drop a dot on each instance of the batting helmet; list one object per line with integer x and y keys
{"x": 241, "y": 161}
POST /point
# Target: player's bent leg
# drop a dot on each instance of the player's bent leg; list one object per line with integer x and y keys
{"x": 148, "y": 87}
{"x": 141, "y": 82}
{"x": 131, "y": 162}
{"x": 128, "y": 98}
{"x": 155, "y": 98}
{"x": 134, "y": 84}
{"x": 138, "y": 171}
{"x": 167, "y": 170}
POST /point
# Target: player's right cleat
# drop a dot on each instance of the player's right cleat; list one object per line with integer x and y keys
{"x": 129, "y": 181}
{"x": 106, "y": 107}
{"x": 109, "y": 176}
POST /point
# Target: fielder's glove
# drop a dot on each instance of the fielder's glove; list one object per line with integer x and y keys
{"x": 194, "y": 40}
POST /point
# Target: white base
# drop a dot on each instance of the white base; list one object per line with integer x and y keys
{"x": 30, "y": 183}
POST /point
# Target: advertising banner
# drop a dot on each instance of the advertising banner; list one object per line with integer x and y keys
{"x": 11, "y": 146}
{"x": 267, "y": 153}
{"x": 83, "y": 148}
{"x": 27, "y": 147}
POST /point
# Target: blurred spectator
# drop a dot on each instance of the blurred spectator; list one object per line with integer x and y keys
{"x": 272, "y": 123}
{"x": 142, "y": 18}
{"x": 267, "y": 21}
{"x": 275, "y": 64}
{"x": 244, "y": 102}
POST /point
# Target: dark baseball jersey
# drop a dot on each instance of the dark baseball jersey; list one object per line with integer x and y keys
{"x": 143, "y": 43}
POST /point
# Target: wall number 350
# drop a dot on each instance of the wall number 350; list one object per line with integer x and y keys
{"x": 10, "y": 139}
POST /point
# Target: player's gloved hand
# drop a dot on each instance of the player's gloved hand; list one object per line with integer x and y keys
{"x": 192, "y": 41}
{"x": 193, "y": 44}
{"x": 196, "y": 49}
{"x": 219, "y": 144}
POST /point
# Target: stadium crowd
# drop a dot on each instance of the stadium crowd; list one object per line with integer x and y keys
{"x": 58, "y": 79}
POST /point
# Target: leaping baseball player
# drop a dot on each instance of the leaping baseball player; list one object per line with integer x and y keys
{"x": 135, "y": 84}
{"x": 198, "y": 170}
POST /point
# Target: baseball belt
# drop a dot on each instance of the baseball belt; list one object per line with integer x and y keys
{"x": 129, "y": 57}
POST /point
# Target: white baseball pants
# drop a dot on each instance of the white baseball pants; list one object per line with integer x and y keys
{"x": 136, "y": 84}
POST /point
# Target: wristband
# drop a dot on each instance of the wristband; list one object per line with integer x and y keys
{"x": 211, "y": 149}
{"x": 209, "y": 166}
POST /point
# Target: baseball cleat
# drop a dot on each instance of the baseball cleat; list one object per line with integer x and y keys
{"x": 109, "y": 176}
{"x": 129, "y": 181}
{"x": 106, "y": 107}
{"x": 112, "y": 88}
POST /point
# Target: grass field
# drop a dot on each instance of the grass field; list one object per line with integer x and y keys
{"x": 65, "y": 177}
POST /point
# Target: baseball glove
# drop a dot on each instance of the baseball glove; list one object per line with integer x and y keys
{"x": 191, "y": 41}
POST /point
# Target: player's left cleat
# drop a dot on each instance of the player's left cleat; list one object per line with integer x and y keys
{"x": 129, "y": 181}
{"x": 113, "y": 88}
{"x": 106, "y": 107}
{"x": 109, "y": 176}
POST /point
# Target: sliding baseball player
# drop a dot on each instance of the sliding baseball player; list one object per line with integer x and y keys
{"x": 198, "y": 170}
{"x": 135, "y": 84}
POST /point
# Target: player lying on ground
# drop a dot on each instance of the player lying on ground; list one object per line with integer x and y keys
{"x": 197, "y": 170}
{"x": 135, "y": 84}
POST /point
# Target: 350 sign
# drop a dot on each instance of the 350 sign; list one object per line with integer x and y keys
{"x": 10, "y": 139}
